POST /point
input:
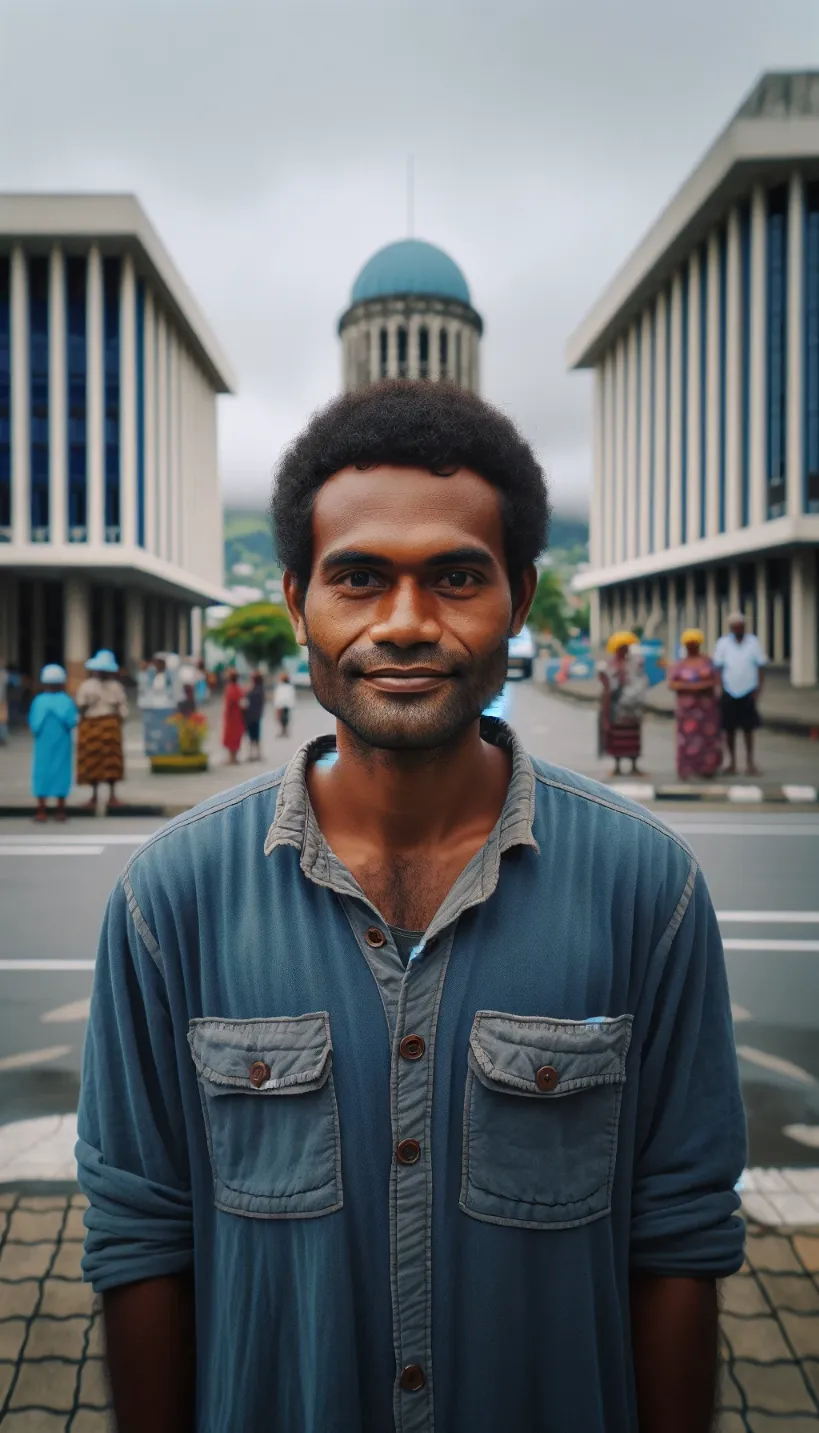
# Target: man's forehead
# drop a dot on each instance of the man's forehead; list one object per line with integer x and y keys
{"x": 403, "y": 502}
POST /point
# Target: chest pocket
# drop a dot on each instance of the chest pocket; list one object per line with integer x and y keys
{"x": 270, "y": 1114}
{"x": 540, "y": 1119}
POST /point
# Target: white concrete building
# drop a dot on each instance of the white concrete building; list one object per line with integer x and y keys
{"x": 110, "y": 511}
{"x": 705, "y": 351}
{"x": 410, "y": 316}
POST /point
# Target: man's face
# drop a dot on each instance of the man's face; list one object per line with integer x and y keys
{"x": 738, "y": 629}
{"x": 408, "y": 611}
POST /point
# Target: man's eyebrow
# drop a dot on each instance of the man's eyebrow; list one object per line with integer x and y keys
{"x": 354, "y": 556}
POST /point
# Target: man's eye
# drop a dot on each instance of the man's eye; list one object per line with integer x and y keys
{"x": 458, "y": 580}
{"x": 359, "y": 579}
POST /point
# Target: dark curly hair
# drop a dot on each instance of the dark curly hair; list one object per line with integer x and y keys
{"x": 425, "y": 425}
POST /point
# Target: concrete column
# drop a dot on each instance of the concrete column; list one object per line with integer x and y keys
{"x": 794, "y": 476}
{"x": 619, "y": 486}
{"x": 778, "y": 639}
{"x": 128, "y": 405}
{"x": 673, "y": 623}
{"x": 57, "y": 399}
{"x": 149, "y": 440}
{"x": 77, "y": 627}
{"x": 608, "y": 496}
{"x": 690, "y": 599}
{"x": 733, "y": 588}
{"x": 693, "y": 455}
{"x": 174, "y": 454}
{"x": 734, "y": 340}
{"x": 476, "y": 362}
{"x": 758, "y": 375}
{"x": 183, "y": 620}
{"x": 197, "y": 631}
{"x": 804, "y": 619}
{"x": 375, "y": 331}
{"x": 641, "y": 617}
{"x": 644, "y": 514}
{"x": 713, "y": 434}
{"x": 434, "y": 326}
{"x": 675, "y": 535}
{"x": 94, "y": 401}
{"x": 598, "y": 469}
{"x": 392, "y": 347}
{"x": 20, "y": 452}
{"x": 655, "y": 611}
{"x": 162, "y": 476}
{"x": 762, "y": 629}
{"x": 413, "y": 355}
{"x": 630, "y": 504}
{"x": 660, "y": 421}
{"x": 616, "y": 599}
{"x": 134, "y": 628}
{"x": 712, "y": 622}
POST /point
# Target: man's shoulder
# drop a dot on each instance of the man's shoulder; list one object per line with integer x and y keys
{"x": 599, "y": 811}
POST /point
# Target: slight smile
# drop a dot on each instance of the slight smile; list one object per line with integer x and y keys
{"x": 407, "y": 679}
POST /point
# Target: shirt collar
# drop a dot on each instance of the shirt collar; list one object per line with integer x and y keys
{"x": 295, "y": 824}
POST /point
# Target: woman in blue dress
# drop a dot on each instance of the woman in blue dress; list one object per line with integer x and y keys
{"x": 52, "y": 718}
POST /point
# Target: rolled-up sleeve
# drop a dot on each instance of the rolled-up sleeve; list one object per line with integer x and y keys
{"x": 691, "y": 1134}
{"x": 132, "y": 1157}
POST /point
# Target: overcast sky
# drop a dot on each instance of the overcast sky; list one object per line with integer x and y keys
{"x": 268, "y": 142}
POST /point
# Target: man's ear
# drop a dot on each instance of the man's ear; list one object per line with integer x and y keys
{"x": 294, "y": 602}
{"x": 524, "y": 597}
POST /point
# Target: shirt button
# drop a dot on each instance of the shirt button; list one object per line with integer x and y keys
{"x": 546, "y": 1078}
{"x": 412, "y": 1378}
{"x": 412, "y": 1047}
{"x": 259, "y": 1073}
{"x": 408, "y": 1151}
{"x": 375, "y": 937}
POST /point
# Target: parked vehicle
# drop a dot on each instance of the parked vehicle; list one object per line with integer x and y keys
{"x": 298, "y": 669}
{"x": 522, "y": 652}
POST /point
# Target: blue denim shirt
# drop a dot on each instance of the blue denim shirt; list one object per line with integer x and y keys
{"x": 414, "y": 1233}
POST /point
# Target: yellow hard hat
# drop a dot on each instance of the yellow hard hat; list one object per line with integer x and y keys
{"x": 693, "y": 634}
{"x": 621, "y": 639}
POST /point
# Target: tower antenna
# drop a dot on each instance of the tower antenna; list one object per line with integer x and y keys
{"x": 410, "y": 195}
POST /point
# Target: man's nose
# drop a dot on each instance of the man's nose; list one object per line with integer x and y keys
{"x": 406, "y": 616}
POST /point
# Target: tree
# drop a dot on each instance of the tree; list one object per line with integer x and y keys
{"x": 548, "y": 612}
{"x": 261, "y": 631}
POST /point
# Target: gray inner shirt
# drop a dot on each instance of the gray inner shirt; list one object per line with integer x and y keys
{"x": 406, "y": 941}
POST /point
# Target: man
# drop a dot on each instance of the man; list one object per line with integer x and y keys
{"x": 410, "y": 1098}
{"x": 284, "y": 700}
{"x": 740, "y": 661}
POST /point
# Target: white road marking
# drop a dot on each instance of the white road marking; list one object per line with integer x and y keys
{"x": 800, "y": 793}
{"x": 93, "y": 838}
{"x": 769, "y": 917}
{"x": 47, "y": 965}
{"x": 775, "y": 1064}
{"x": 633, "y": 790}
{"x": 27, "y": 1059}
{"x": 66, "y": 1014}
{"x": 32, "y": 850}
{"x": 745, "y": 793}
{"x": 738, "y": 1012}
{"x": 739, "y": 943}
{"x": 803, "y": 1134}
{"x": 774, "y": 828}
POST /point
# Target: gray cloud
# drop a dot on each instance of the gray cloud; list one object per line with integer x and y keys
{"x": 268, "y": 142}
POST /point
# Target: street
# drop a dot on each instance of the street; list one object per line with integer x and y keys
{"x": 761, "y": 869}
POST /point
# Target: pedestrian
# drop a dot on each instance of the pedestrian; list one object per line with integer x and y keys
{"x": 253, "y": 708}
{"x": 740, "y": 661}
{"x": 146, "y": 677}
{"x": 52, "y": 718}
{"x": 699, "y": 734}
{"x": 284, "y": 700}
{"x": 202, "y": 686}
{"x": 103, "y": 708}
{"x": 233, "y": 723}
{"x": 410, "y": 1097}
{"x": 622, "y": 705}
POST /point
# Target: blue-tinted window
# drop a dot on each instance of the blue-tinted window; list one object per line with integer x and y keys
{"x": 745, "y": 350}
{"x": 811, "y": 493}
{"x": 668, "y": 420}
{"x": 111, "y": 280}
{"x": 777, "y": 337}
{"x": 140, "y": 410}
{"x": 76, "y": 272}
{"x": 703, "y": 390}
{"x": 684, "y": 408}
{"x": 652, "y": 435}
{"x": 621, "y": 510}
{"x": 5, "y": 399}
{"x": 38, "y": 395}
{"x": 638, "y": 446}
{"x": 723, "y": 376}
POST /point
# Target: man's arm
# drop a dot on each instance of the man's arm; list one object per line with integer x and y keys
{"x": 674, "y": 1333}
{"x": 151, "y": 1348}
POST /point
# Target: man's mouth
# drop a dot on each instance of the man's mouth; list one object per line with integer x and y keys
{"x": 406, "y": 679}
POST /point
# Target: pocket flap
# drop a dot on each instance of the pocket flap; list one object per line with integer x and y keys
{"x": 294, "y": 1049}
{"x": 507, "y": 1052}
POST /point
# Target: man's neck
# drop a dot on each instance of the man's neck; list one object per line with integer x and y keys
{"x": 401, "y": 800}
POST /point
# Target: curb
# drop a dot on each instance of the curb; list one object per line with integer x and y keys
{"x": 739, "y": 795}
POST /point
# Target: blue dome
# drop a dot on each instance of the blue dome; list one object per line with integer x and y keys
{"x": 410, "y": 266}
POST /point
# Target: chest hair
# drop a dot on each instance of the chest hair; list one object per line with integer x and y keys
{"x": 407, "y": 890}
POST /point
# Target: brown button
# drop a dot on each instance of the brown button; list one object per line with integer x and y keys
{"x": 546, "y": 1078}
{"x": 412, "y": 1047}
{"x": 259, "y": 1072}
{"x": 412, "y": 1378}
{"x": 408, "y": 1151}
{"x": 375, "y": 937}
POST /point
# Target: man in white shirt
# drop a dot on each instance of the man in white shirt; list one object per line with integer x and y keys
{"x": 740, "y": 660}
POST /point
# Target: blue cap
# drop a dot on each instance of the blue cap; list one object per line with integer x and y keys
{"x": 102, "y": 661}
{"x": 52, "y": 675}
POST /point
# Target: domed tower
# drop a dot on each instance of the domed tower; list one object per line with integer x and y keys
{"x": 410, "y": 316}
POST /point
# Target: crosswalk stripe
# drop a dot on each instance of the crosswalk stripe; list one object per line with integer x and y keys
{"x": 768, "y": 917}
{"x": 47, "y": 965}
{"x": 806, "y": 947}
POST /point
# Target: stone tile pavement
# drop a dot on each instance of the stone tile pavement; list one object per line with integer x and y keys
{"x": 52, "y": 1374}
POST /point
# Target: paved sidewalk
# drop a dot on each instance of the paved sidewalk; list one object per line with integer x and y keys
{"x": 52, "y": 1375}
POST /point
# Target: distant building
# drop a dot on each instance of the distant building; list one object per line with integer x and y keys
{"x": 110, "y": 513}
{"x": 705, "y": 350}
{"x": 410, "y": 316}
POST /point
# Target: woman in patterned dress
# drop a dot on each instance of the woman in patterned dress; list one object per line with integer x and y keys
{"x": 103, "y": 707}
{"x": 622, "y": 707}
{"x": 696, "y": 681}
